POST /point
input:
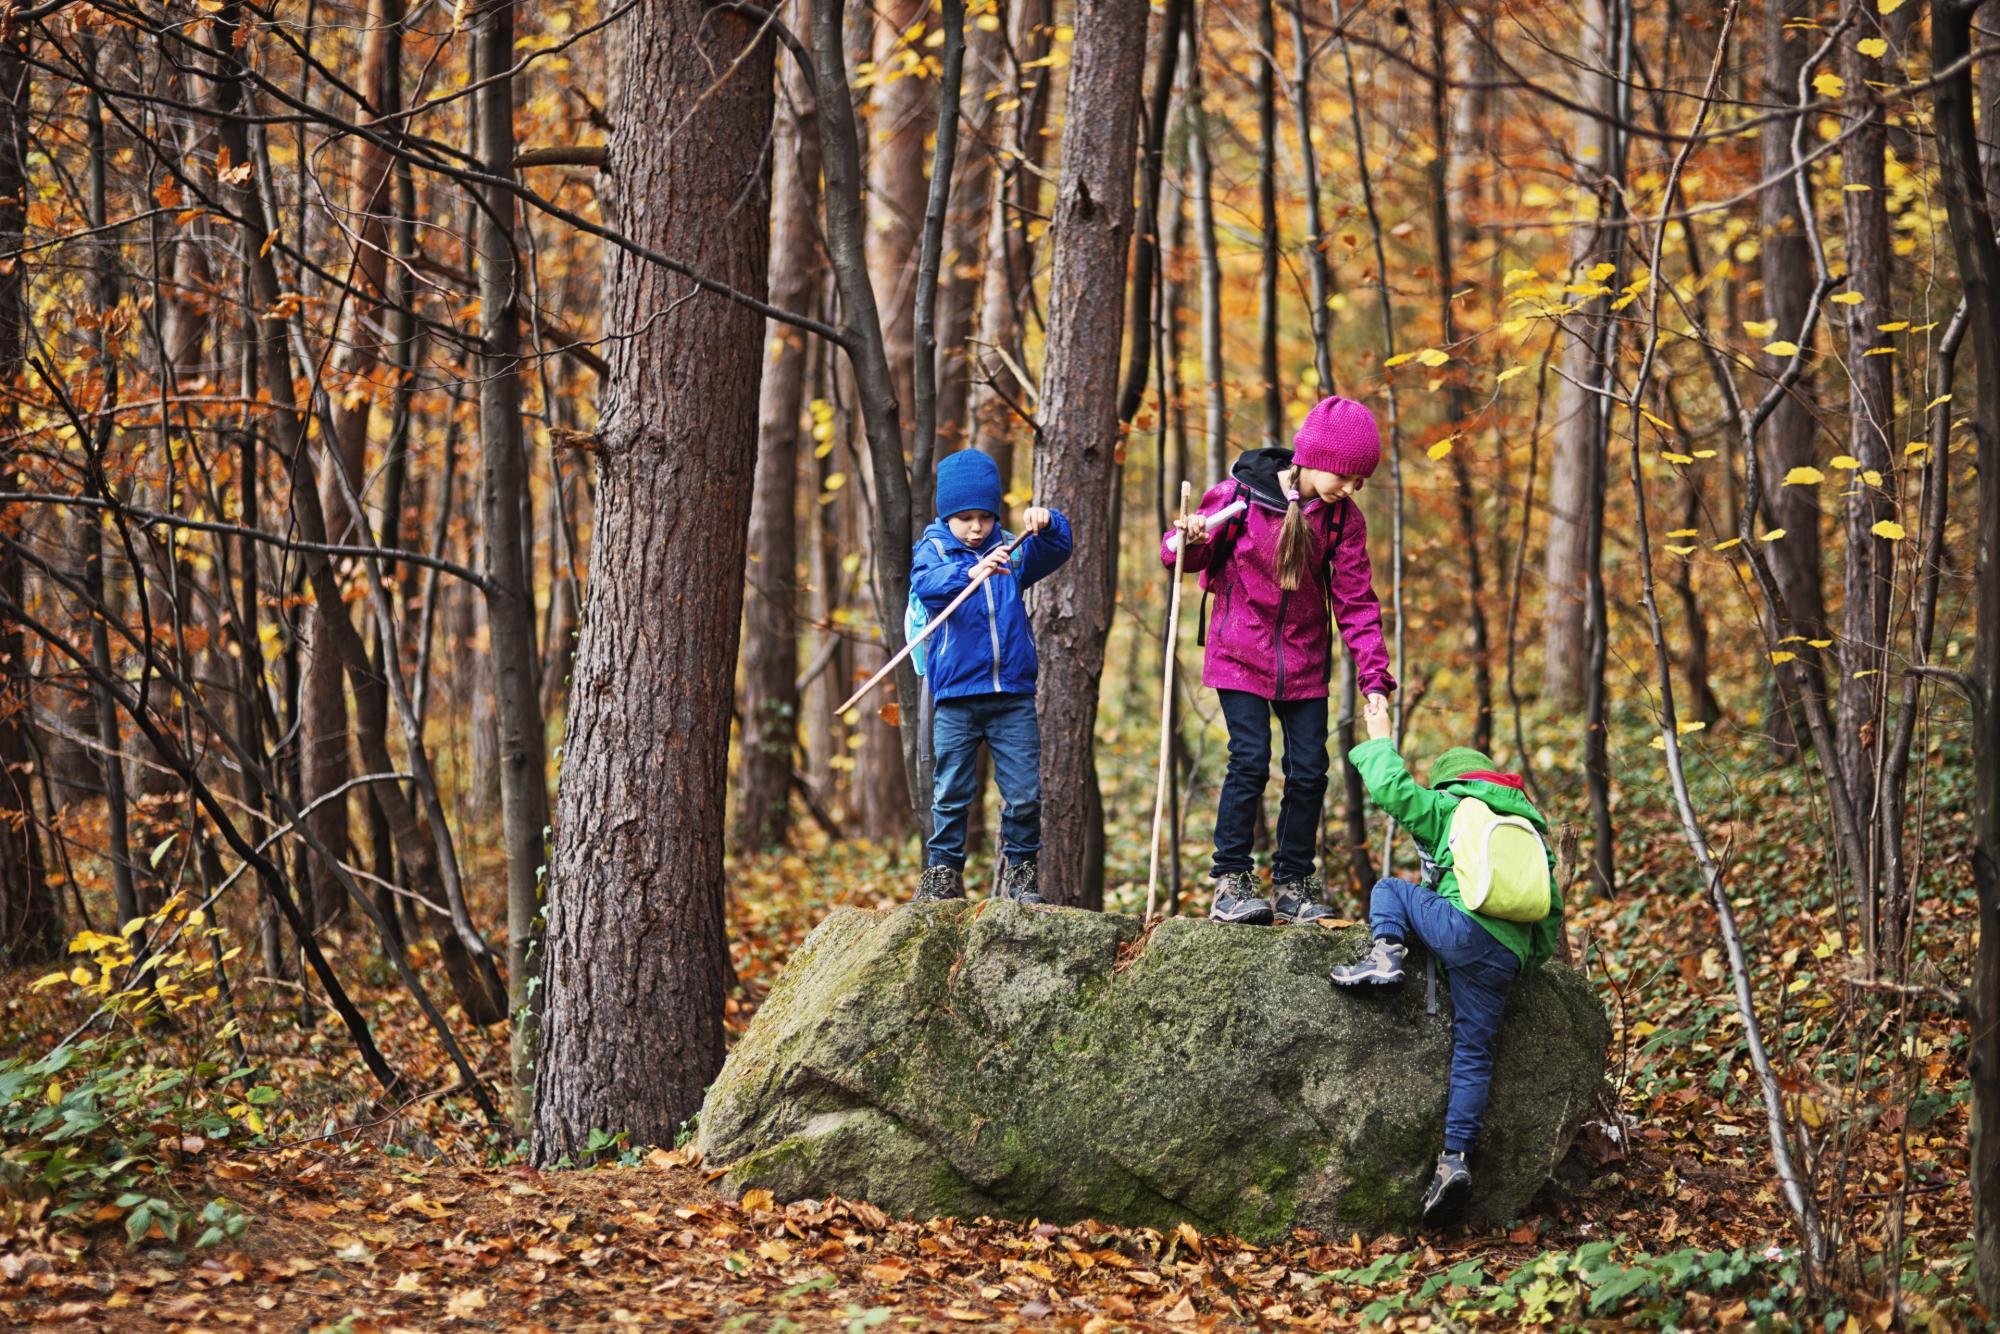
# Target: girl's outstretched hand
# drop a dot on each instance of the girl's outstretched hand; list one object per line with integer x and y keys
{"x": 1036, "y": 519}
{"x": 1376, "y": 714}
{"x": 1194, "y": 528}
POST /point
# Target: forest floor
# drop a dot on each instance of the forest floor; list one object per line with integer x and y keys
{"x": 361, "y": 1219}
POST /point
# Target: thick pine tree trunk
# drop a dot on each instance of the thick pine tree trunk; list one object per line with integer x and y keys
{"x": 636, "y": 962}
{"x": 771, "y": 621}
{"x": 1075, "y": 465}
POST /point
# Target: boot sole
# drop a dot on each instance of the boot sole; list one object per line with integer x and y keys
{"x": 1366, "y": 980}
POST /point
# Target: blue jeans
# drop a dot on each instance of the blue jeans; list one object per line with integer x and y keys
{"x": 1006, "y": 723}
{"x": 1249, "y": 719}
{"x": 1480, "y": 970}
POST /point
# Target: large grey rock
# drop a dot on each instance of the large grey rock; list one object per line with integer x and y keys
{"x": 966, "y": 1059}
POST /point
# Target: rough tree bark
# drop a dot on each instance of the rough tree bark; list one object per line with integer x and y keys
{"x": 1076, "y": 460}
{"x": 1201, "y": 171}
{"x": 636, "y": 960}
{"x": 770, "y": 622}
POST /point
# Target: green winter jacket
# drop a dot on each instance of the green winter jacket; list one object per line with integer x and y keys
{"x": 1426, "y": 814}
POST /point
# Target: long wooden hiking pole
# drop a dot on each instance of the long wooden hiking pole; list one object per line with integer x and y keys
{"x": 920, "y": 636}
{"x": 1166, "y": 713}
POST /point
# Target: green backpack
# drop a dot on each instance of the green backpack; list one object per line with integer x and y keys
{"x": 1501, "y": 861}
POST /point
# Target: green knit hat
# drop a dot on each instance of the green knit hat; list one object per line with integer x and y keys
{"x": 1457, "y": 762}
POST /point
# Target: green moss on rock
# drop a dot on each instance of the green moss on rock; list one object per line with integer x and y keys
{"x": 992, "y": 1059}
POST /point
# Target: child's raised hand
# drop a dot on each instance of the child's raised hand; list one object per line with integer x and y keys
{"x": 1036, "y": 519}
{"x": 992, "y": 563}
{"x": 1376, "y": 714}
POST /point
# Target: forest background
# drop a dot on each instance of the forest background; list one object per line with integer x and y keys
{"x": 395, "y": 391}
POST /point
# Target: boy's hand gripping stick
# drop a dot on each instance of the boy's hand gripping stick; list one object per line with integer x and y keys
{"x": 921, "y": 635}
{"x": 1215, "y": 520}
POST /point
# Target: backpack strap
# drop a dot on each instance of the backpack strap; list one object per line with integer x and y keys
{"x": 1221, "y": 553}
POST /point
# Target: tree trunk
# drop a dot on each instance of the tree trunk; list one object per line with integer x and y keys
{"x": 1267, "y": 216}
{"x": 1076, "y": 463}
{"x": 1979, "y": 272}
{"x": 30, "y": 919}
{"x": 1871, "y": 560}
{"x": 965, "y": 236}
{"x": 1202, "y": 176}
{"x": 1578, "y": 413}
{"x": 637, "y": 962}
{"x": 1786, "y": 263}
{"x": 771, "y": 621}
{"x": 510, "y": 598}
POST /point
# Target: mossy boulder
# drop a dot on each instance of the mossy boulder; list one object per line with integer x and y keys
{"x": 985, "y": 1058}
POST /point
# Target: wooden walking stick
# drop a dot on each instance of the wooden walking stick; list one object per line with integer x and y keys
{"x": 920, "y": 636}
{"x": 1166, "y": 713}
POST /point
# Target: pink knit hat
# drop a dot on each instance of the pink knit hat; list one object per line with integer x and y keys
{"x": 1338, "y": 435}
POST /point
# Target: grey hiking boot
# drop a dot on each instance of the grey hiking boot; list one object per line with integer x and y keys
{"x": 1382, "y": 966}
{"x": 1018, "y": 883}
{"x": 1236, "y": 900}
{"x": 939, "y": 883}
{"x": 1444, "y": 1202}
{"x": 1300, "y": 901}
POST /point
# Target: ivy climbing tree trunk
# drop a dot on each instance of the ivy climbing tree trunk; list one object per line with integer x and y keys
{"x": 1076, "y": 461}
{"x": 636, "y": 961}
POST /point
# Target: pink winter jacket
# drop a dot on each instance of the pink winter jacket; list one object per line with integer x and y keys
{"x": 1262, "y": 639}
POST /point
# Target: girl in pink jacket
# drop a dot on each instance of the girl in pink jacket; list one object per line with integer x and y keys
{"x": 1282, "y": 573}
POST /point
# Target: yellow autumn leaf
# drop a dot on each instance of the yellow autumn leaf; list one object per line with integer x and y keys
{"x": 1845, "y": 298}
{"x": 54, "y": 1093}
{"x": 1820, "y": 643}
{"x": 1872, "y": 47}
{"x": 1783, "y": 655}
{"x": 1680, "y": 551}
{"x": 1684, "y": 728}
{"x": 48, "y": 980}
{"x": 1655, "y": 420}
{"x": 1724, "y": 546}
{"x": 1441, "y": 448}
{"x": 1893, "y": 326}
{"x": 1888, "y": 6}
{"x": 1685, "y": 532}
{"x": 1430, "y": 356}
{"x": 1782, "y": 348}
{"x": 1510, "y": 373}
{"x": 1804, "y": 475}
{"x": 1888, "y": 528}
{"x": 1845, "y": 462}
{"x": 1760, "y": 328}
{"x": 1773, "y": 535}
{"x": 1829, "y": 84}
{"x": 1880, "y": 352}
{"x": 1914, "y": 447}
{"x": 1872, "y": 477}
{"x": 1600, "y": 272}
{"x": 1940, "y": 399}
{"x": 1704, "y": 453}
{"x": 1672, "y": 457}
{"x": 1398, "y": 359}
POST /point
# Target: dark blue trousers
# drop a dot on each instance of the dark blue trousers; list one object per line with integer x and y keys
{"x": 1480, "y": 970}
{"x": 1248, "y": 717}
{"x": 1013, "y": 737}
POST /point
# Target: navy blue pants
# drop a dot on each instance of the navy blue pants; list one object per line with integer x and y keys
{"x": 1013, "y": 737}
{"x": 1249, "y": 720}
{"x": 1480, "y": 970}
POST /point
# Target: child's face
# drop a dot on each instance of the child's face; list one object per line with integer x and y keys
{"x": 1328, "y": 486}
{"x": 973, "y": 527}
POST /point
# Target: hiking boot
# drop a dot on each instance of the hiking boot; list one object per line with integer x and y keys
{"x": 939, "y": 883}
{"x": 1236, "y": 900}
{"x": 1018, "y": 883}
{"x": 1299, "y": 901}
{"x": 1444, "y": 1202}
{"x": 1382, "y": 966}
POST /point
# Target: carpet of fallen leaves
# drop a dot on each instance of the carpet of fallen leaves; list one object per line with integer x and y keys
{"x": 416, "y": 1217}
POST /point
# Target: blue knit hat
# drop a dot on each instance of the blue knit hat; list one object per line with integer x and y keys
{"x": 967, "y": 480}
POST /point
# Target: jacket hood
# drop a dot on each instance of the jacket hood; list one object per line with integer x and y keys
{"x": 1503, "y": 799}
{"x": 1258, "y": 469}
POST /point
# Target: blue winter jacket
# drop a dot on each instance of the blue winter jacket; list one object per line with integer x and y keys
{"x": 986, "y": 647}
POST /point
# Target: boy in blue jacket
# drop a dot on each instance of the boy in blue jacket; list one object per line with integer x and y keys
{"x": 981, "y": 670}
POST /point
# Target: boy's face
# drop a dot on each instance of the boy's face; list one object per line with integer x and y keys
{"x": 973, "y": 527}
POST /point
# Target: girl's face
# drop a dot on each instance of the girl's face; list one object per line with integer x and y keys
{"x": 1328, "y": 486}
{"x": 972, "y": 527}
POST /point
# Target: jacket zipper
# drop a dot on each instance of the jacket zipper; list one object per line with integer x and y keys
{"x": 1284, "y": 597}
{"x": 992, "y": 630}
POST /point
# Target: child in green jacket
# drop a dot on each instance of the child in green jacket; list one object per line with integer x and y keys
{"x": 1482, "y": 955}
